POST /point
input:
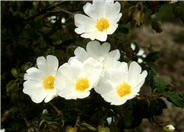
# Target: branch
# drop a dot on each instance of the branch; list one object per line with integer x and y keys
{"x": 56, "y": 4}
{"x": 62, "y": 10}
{"x": 26, "y": 121}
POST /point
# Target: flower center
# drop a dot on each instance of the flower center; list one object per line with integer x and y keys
{"x": 82, "y": 84}
{"x": 102, "y": 24}
{"x": 123, "y": 89}
{"x": 48, "y": 82}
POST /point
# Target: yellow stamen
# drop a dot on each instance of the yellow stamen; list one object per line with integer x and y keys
{"x": 123, "y": 89}
{"x": 102, "y": 24}
{"x": 82, "y": 84}
{"x": 48, "y": 82}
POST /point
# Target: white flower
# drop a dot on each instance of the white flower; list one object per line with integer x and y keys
{"x": 173, "y": 1}
{"x": 45, "y": 111}
{"x": 140, "y": 53}
{"x": 132, "y": 45}
{"x": 39, "y": 84}
{"x": 52, "y": 19}
{"x": 2, "y": 130}
{"x": 121, "y": 83}
{"x": 98, "y": 52}
{"x": 109, "y": 120}
{"x": 169, "y": 128}
{"x": 140, "y": 60}
{"x": 102, "y": 19}
{"x": 76, "y": 79}
{"x": 63, "y": 20}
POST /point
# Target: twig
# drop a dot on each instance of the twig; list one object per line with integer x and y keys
{"x": 56, "y": 109}
{"x": 6, "y": 114}
{"x": 56, "y": 4}
{"x": 26, "y": 121}
{"x": 62, "y": 10}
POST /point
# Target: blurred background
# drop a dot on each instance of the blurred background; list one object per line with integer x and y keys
{"x": 32, "y": 29}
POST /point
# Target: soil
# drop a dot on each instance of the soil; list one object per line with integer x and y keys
{"x": 170, "y": 67}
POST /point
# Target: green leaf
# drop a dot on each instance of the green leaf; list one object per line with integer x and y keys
{"x": 156, "y": 107}
{"x": 159, "y": 84}
{"x": 152, "y": 66}
{"x": 156, "y": 26}
{"x": 14, "y": 72}
{"x": 152, "y": 56}
{"x": 179, "y": 11}
{"x": 150, "y": 78}
{"x": 175, "y": 98}
{"x": 90, "y": 127}
{"x": 11, "y": 87}
{"x": 123, "y": 29}
{"x": 103, "y": 129}
{"x": 170, "y": 87}
{"x": 131, "y": 119}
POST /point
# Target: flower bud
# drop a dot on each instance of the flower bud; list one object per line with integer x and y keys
{"x": 25, "y": 67}
{"x": 103, "y": 129}
{"x": 63, "y": 20}
{"x": 70, "y": 129}
{"x": 138, "y": 17}
{"x": 169, "y": 128}
{"x": 14, "y": 72}
{"x": 45, "y": 111}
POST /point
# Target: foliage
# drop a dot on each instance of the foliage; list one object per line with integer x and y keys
{"x": 27, "y": 33}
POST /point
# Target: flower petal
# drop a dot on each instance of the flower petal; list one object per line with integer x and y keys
{"x": 112, "y": 28}
{"x": 84, "y": 24}
{"x": 64, "y": 85}
{"x": 134, "y": 71}
{"x": 115, "y": 19}
{"x": 95, "y": 10}
{"x": 65, "y": 70}
{"x": 111, "y": 9}
{"x": 81, "y": 53}
{"x": 50, "y": 96}
{"x": 33, "y": 74}
{"x": 102, "y": 36}
{"x": 140, "y": 82}
{"x": 52, "y": 63}
{"x": 48, "y": 65}
{"x": 103, "y": 87}
{"x": 115, "y": 54}
{"x": 132, "y": 46}
{"x": 92, "y": 70}
{"x": 94, "y": 49}
{"x": 41, "y": 63}
{"x": 35, "y": 91}
{"x": 140, "y": 52}
{"x": 90, "y": 35}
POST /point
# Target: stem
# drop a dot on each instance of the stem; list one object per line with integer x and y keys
{"x": 26, "y": 121}
{"x": 77, "y": 122}
{"x": 56, "y": 109}
{"x": 56, "y": 4}
{"x": 62, "y": 10}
